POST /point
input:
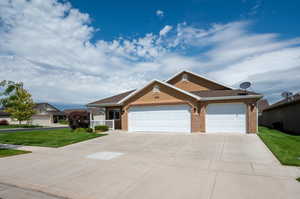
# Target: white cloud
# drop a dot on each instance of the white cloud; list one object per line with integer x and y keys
{"x": 165, "y": 30}
{"x": 160, "y": 13}
{"x": 47, "y": 45}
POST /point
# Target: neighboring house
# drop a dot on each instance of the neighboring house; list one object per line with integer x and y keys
{"x": 98, "y": 113}
{"x": 186, "y": 102}
{"x": 46, "y": 114}
{"x": 4, "y": 115}
{"x": 262, "y": 105}
{"x": 283, "y": 115}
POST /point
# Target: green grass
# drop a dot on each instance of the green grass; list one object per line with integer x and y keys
{"x": 298, "y": 179}
{"x": 284, "y": 146}
{"x": 11, "y": 152}
{"x": 46, "y": 138}
{"x": 18, "y": 126}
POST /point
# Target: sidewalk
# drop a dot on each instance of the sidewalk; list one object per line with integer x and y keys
{"x": 13, "y": 192}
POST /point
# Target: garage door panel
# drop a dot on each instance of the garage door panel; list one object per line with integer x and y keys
{"x": 224, "y": 118}
{"x": 160, "y": 119}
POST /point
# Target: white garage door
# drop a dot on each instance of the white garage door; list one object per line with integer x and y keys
{"x": 226, "y": 118}
{"x": 43, "y": 120}
{"x": 160, "y": 118}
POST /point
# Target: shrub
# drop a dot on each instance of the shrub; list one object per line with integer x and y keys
{"x": 4, "y": 122}
{"x": 89, "y": 130}
{"x": 27, "y": 126}
{"x": 101, "y": 128}
{"x": 79, "y": 119}
{"x": 63, "y": 122}
{"x": 80, "y": 130}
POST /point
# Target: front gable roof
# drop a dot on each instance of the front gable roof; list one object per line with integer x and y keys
{"x": 222, "y": 85}
{"x": 159, "y": 82}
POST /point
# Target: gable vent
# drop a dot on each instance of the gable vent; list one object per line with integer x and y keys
{"x": 185, "y": 77}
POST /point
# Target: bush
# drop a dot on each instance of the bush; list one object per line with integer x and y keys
{"x": 4, "y": 122}
{"x": 27, "y": 126}
{"x": 101, "y": 128}
{"x": 89, "y": 130}
{"x": 63, "y": 122}
{"x": 80, "y": 130}
{"x": 79, "y": 119}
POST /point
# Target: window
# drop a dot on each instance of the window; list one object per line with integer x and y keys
{"x": 156, "y": 89}
{"x": 114, "y": 114}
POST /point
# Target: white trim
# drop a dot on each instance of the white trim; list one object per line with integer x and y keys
{"x": 164, "y": 83}
{"x": 256, "y": 117}
{"x": 231, "y": 97}
{"x": 221, "y": 84}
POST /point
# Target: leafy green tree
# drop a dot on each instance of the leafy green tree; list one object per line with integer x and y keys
{"x": 16, "y": 100}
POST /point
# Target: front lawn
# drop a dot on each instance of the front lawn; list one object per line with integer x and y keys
{"x": 11, "y": 152}
{"x": 18, "y": 126}
{"x": 284, "y": 146}
{"x": 46, "y": 138}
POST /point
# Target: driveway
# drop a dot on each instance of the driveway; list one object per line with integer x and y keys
{"x": 151, "y": 166}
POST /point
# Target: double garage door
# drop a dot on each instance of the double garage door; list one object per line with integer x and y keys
{"x": 160, "y": 118}
{"x": 220, "y": 118}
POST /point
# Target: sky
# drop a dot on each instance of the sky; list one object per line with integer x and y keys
{"x": 75, "y": 52}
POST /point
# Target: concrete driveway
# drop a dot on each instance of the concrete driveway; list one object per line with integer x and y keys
{"x": 151, "y": 166}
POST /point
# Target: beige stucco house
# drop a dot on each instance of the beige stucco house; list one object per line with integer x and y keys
{"x": 187, "y": 102}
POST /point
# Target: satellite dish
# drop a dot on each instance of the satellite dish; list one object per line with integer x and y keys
{"x": 245, "y": 85}
{"x": 286, "y": 94}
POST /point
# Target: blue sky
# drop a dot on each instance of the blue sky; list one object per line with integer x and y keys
{"x": 75, "y": 52}
{"x": 136, "y": 18}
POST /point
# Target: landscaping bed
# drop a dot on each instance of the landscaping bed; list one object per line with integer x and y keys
{"x": 11, "y": 152}
{"x": 47, "y": 138}
{"x": 284, "y": 146}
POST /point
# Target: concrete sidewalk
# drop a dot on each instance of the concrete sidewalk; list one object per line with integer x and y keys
{"x": 151, "y": 166}
{"x": 13, "y": 192}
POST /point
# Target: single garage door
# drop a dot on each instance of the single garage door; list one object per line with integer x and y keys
{"x": 226, "y": 118}
{"x": 160, "y": 118}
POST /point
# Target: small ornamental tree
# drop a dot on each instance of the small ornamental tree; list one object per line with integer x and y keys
{"x": 16, "y": 101}
{"x": 79, "y": 119}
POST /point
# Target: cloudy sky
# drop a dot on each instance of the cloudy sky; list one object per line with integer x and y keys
{"x": 74, "y": 52}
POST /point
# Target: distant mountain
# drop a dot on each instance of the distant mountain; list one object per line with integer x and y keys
{"x": 62, "y": 106}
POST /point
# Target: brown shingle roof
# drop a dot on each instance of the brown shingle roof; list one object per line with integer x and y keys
{"x": 223, "y": 93}
{"x": 285, "y": 102}
{"x": 112, "y": 100}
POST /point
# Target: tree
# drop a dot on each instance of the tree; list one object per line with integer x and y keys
{"x": 16, "y": 101}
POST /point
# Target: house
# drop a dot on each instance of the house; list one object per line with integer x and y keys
{"x": 4, "y": 115}
{"x": 262, "y": 105}
{"x": 283, "y": 115}
{"x": 187, "y": 102}
{"x": 46, "y": 115}
{"x": 98, "y": 113}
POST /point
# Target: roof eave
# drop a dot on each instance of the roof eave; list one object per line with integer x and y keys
{"x": 103, "y": 105}
{"x": 187, "y": 71}
{"x": 231, "y": 97}
{"x": 161, "y": 82}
